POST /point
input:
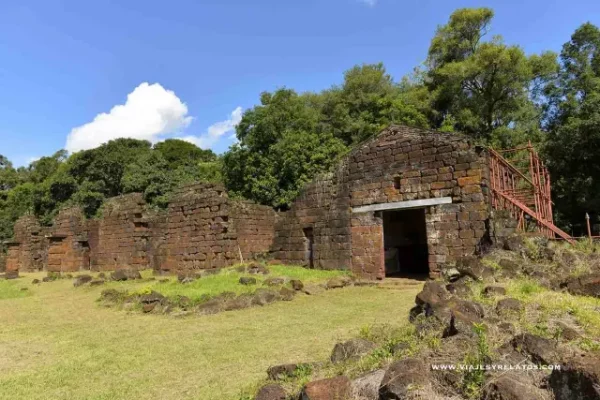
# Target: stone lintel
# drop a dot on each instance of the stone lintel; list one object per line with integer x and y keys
{"x": 401, "y": 205}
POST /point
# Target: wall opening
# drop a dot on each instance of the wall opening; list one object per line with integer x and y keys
{"x": 405, "y": 243}
{"x": 309, "y": 244}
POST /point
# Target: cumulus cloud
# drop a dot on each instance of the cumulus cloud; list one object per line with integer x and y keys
{"x": 149, "y": 112}
{"x": 216, "y": 131}
{"x": 370, "y": 3}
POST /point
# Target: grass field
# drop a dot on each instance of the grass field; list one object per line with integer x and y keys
{"x": 56, "y": 342}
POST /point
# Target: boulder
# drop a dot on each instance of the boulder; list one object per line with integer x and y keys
{"x": 212, "y": 306}
{"x": 255, "y": 268}
{"x": 352, "y": 349}
{"x": 327, "y": 389}
{"x": 244, "y": 280}
{"x": 451, "y": 274}
{"x": 510, "y": 386}
{"x": 432, "y": 294}
{"x": 97, "y": 282}
{"x": 509, "y": 268}
{"x": 509, "y": 305}
{"x": 494, "y": 291}
{"x": 148, "y": 307}
{"x": 471, "y": 266}
{"x": 567, "y": 332}
{"x": 271, "y": 392}
{"x": 459, "y": 288}
{"x": 239, "y": 303}
{"x": 585, "y": 285}
{"x": 82, "y": 280}
{"x": 513, "y": 243}
{"x": 112, "y": 295}
{"x": 47, "y": 279}
{"x": 367, "y": 387}
{"x": 152, "y": 297}
{"x": 577, "y": 379}
{"x": 297, "y": 284}
{"x": 402, "y": 377}
{"x": 101, "y": 275}
{"x": 35, "y": 282}
{"x": 209, "y": 272}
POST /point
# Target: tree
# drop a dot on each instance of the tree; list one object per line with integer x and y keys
{"x": 486, "y": 88}
{"x": 179, "y": 153}
{"x": 572, "y": 149}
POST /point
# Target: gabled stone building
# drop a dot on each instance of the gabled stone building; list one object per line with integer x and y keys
{"x": 408, "y": 201}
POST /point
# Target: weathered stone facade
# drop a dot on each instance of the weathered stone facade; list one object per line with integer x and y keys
{"x": 401, "y": 164}
{"x": 202, "y": 229}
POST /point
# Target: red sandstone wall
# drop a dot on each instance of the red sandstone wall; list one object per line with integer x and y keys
{"x": 27, "y": 251}
{"x": 426, "y": 164}
{"x": 254, "y": 225}
{"x": 121, "y": 238}
{"x": 68, "y": 248}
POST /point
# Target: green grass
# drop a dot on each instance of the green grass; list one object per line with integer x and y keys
{"x": 59, "y": 343}
{"x": 226, "y": 281}
{"x": 11, "y": 289}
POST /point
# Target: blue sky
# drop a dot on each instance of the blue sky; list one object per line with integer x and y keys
{"x": 64, "y": 62}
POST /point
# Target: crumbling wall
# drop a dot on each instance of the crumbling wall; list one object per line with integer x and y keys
{"x": 68, "y": 247}
{"x": 322, "y": 211}
{"x": 400, "y": 164}
{"x": 121, "y": 238}
{"x": 204, "y": 229}
{"x": 27, "y": 250}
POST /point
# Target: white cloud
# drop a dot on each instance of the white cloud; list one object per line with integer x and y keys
{"x": 370, "y": 3}
{"x": 216, "y": 131}
{"x": 149, "y": 112}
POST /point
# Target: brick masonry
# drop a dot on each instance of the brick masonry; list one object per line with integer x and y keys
{"x": 400, "y": 164}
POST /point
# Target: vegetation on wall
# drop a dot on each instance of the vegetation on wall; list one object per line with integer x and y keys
{"x": 471, "y": 81}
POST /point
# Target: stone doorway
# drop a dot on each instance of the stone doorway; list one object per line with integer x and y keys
{"x": 309, "y": 244}
{"x": 405, "y": 243}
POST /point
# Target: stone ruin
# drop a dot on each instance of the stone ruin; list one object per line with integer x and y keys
{"x": 405, "y": 201}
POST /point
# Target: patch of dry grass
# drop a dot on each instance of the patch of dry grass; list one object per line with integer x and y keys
{"x": 59, "y": 344}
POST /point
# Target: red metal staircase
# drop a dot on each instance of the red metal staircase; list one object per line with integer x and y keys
{"x": 522, "y": 187}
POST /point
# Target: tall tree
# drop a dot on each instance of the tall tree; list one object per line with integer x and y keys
{"x": 484, "y": 88}
{"x": 573, "y": 120}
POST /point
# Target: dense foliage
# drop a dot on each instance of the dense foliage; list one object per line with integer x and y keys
{"x": 470, "y": 82}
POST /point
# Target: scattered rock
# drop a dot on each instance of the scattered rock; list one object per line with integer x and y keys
{"x": 111, "y": 295}
{"x": 471, "y": 266}
{"x": 403, "y": 376}
{"x": 506, "y": 327}
{"x": 451, "y": 274}
{"x": 510, "y": 386}
{"x": 24, "y": 289}
{"x": 255, "y": 268}
{"x": 433, "y": 294}
{"x": 35, "y": 282}
{"x": 578, "y": 379}
{"x": 459, "y": 288}
{"x": 297, "y": 284}
{"x": 101, "y": 275}
{"x": 541, "y": 350}
{"x": 338, "y": 282}
{"x": 313, "y": 289}
{"x": 352, "y": 349}
{"x": 287, "y": 294}
{"x": 585, "y": 285}
{"x": 164, "y": 281}
{"x": 97, "y": 282}
{"x": 82, "y": 280}
{"x": 244, "y": 280}
{"x": 211, "y": 271}
{"x": 148, "y": 307}
{"x": 125, "y": 274}
{"x": 274, "y": 281}
{"x": 279, "y": 372}
{"x": 399, "y": 347}
{"x": 367, "y": 387}
{"x": 239, "y": 303}
{"x": 513, "y": 243}
{"x": 212, "y": 306}
{"x": 509, "y": 305}
{"x": 509, "y": 268}
{"x": 152, "y": 297}
{"x": 271, "y": 392}
{"x": 264, "y": 296}
{"x": 327, "y": 389}
{"x": 47, "y": 279}
{"x": 568, "y": 332}
{"x": 11, "y": 274}
{"x": 494, "y": 291}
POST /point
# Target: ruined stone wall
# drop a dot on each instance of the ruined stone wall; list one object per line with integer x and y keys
{"x": 204, "y": 229}
{"x": 400, "y": 164}
{"x": 27, "y": 251}
{"x": 121, "y": 238}
{"x": 68, "y": 249}
{"x": 323, "y": 206}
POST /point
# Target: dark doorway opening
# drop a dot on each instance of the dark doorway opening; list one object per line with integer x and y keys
{"x": 405, "y": 244}
{"x": 309, "y": 244}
